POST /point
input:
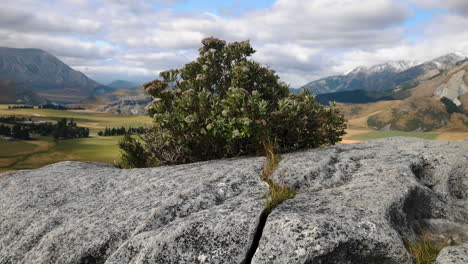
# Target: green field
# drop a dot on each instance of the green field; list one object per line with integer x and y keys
{"x": 42, "y": 151}
{"x": 102, "y": 149}
{"x": 95, "y": 121}
{"x": 6, "y": 147}
{"x": 384, "y": 134}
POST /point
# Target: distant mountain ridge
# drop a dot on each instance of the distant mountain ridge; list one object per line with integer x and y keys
{"x": 395, "y": 75}
{"x": 122, "y": 84}
{"x": 38, "y": 71}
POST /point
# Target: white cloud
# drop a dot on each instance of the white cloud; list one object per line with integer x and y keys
{"x": 57, "y": 45}
{"x": 302, "y": 40}
{"x": 21, "y": 20}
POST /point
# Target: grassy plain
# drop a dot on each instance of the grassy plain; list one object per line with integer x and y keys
{"x": 95, "y": 121}
{"x": 42, "y": 151}
{"x": 384, "y": 134}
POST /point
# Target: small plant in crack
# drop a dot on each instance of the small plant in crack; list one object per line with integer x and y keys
{"x": 424, "y": 249}
{"x": 279, "y": 192}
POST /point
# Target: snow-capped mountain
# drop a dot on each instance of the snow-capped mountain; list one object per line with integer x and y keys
{"x": 449, "y": 59}
{"x": 391, "y": 66}
{"x": 393, "y": 75}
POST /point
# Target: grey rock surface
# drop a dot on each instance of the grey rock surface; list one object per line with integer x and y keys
{"x": 74, "y": 212}
{"x": 453, "y": 255}
{"x": 359, "y": 203}
{"x": 356, "y": 203}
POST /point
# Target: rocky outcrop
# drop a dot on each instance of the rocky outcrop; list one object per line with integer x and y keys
{"x": 127, "y": 107}
{"x": 454, "y": 87}
{"x": 357, "y": 203}
{"x": 73, "y": 212}
{"x": 453, "y": 255}
{"x": 361, "y": 202}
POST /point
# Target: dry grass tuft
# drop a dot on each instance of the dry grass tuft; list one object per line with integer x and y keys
{"x": 278, "y": 192}
{"x": 425, "y": 250}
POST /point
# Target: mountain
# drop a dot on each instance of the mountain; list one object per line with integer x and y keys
{"x": 451, "y": 83}
{"x": 434, "y": 97}
{"x": 396, "y": 75}
{"x": 127, "y": 107}
{"x": 46, "y": 75}
{"x": 11, "y": 94}
{"x": 355, "y": 97}
{"x": 122, "y": 84}
{"x": 361, "y": 78}
{"x": 129, "y": 101}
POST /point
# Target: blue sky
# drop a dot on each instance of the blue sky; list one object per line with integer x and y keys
{"x": 301, "y": 40}
{"x": 225, "y": 7}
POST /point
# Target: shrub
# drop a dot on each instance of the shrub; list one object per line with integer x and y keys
{"x": 224, "y": 104}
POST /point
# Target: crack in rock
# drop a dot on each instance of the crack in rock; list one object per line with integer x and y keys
{"x": 367, "y": 215}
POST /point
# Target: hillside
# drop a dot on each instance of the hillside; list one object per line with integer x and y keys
{"x": 130, "y": 101}
{"x": 355, "y": 97}
{"x": 452, "y": 84}
{"x": 122, "y": 84}
{"x": 46, "y": 75}
{"x": 11, "y": 94}
{"x": 421, "y": 114}
{"x": 433, "y": 96}
{"x": 393, "y": 76}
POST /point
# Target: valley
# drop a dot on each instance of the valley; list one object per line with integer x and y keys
{"x": 42, "y": 151}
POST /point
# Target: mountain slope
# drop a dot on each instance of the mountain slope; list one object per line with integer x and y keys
{"x": 355, "y": 97}
{"x": 39, "y": 71}
{"x": 452, "y": 84}
{"x": 397, "y": 76}
{"x": 122, "y": 84}
{"x": 11, "y": 94}
{"x": 440, "y": 102}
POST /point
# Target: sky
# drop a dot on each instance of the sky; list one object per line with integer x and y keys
{"x": 303, "y": 40}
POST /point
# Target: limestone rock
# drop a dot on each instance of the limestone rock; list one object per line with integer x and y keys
{"x": 453, "y": 255}
{"x": 359, "y": 203}
{"x": 74, "y": 212}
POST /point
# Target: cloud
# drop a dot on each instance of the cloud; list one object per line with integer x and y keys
{"x": 302, "y": 40}
{"x": 457, "y": 6}
{"x": 323, "y": 23}
{"x": 57, "y": 45}
{"x": 20, "y": 20}
{"x": 444, "y": 34}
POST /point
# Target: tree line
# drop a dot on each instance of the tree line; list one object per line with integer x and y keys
{"x": 17, "y": 131}
{"x": 46, "y": 106}
{"x": 122, "y": 131}
{"x": 59, "y": 107}
{"x": 21, "y": 107}
{"x": 63, "y": 129}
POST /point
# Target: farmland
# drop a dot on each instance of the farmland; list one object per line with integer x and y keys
{"x": 42, "y": 151}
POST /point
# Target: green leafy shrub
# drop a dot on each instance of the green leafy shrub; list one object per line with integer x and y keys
{"x": 224, "y": 104}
